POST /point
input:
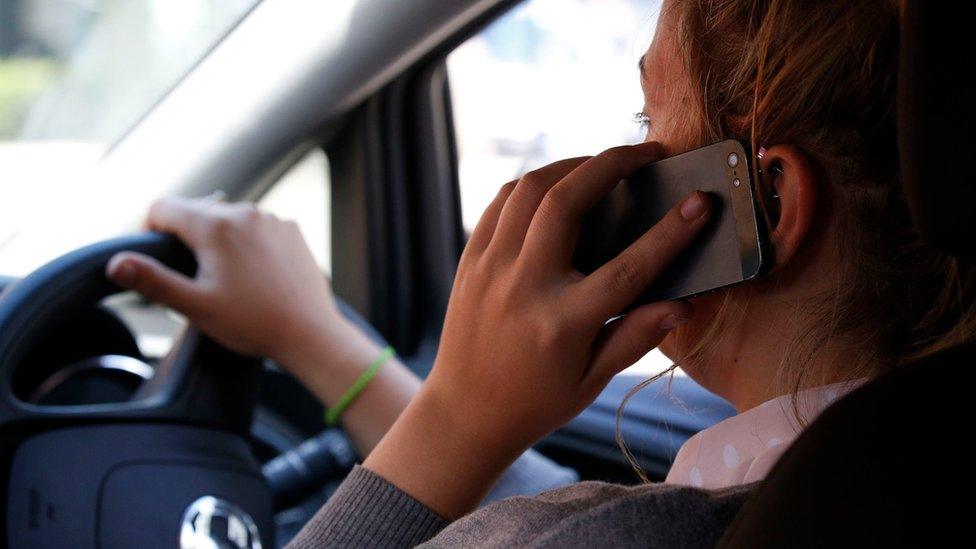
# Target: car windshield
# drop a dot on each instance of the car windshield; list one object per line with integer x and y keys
{"x": 75, "y": 77}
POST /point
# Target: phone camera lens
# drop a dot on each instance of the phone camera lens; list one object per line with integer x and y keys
{"x": 733, "y": 160}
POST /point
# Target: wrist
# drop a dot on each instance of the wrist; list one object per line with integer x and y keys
{"x": 473, "y": 424}
{"x": 328, "y": 360}
{"x": 454, "y": 460}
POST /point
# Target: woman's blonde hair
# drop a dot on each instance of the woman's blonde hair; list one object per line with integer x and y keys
{"x": 821, "y": 75}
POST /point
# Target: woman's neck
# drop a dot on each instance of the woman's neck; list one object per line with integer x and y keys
{"x": 763, "y": 352}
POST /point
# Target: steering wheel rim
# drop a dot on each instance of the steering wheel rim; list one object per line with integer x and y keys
{"x": 198, "y": 382}
{"x": 182, "y": 437}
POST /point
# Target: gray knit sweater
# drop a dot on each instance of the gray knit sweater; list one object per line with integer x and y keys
{"x": 368, "y": 511}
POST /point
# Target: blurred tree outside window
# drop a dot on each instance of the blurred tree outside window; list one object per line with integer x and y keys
{"x": 75, "y": 77}
{"x": 89, "y": 69}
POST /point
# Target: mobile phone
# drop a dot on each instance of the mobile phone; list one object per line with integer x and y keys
{"x": 730, "y": 249}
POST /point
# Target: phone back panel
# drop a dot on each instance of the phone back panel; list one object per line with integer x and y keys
{"x": 727, "y": 251}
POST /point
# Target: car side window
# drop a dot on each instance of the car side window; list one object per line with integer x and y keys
{"x": 550, "y": 79}
{"x": 303, "y": 194}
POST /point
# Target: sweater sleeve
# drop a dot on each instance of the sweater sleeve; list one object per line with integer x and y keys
{"x": 367, "y": 511}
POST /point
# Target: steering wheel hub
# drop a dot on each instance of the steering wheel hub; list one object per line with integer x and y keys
{"x": 129, "y": 473}
{"x": 214, "y": 522}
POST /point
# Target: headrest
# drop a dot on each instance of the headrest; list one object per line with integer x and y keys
{"x": 937, "y": 123}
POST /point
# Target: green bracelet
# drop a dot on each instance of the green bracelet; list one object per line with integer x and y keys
{"x": 333, "y": 414}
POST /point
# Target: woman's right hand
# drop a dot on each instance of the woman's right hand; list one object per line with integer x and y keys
{"x": 257, "y": 291}
{"x": 526, "y": 344}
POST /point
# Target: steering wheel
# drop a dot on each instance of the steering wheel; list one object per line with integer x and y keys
{"x": 169, "y": 466}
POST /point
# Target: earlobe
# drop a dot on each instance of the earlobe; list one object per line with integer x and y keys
{"x": 789, "y": 190}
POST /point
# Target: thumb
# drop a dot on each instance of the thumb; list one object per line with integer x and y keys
{"x": 625, "y": 340}
{"x": 155, "y": 281}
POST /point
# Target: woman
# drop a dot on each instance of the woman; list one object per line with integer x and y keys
{"x": 852, "y": 292}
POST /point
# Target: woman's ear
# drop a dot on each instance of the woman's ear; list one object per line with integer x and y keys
{"x": 791, "y": 193}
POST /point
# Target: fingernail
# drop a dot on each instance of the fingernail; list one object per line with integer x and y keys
{"x": 693, "y": 207}
{"x": 671, "y": 322}
{"x": 123, "y": 272}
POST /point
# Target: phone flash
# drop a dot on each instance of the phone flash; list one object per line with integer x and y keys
{"x": 733, "y": 160}
{"x": 736, "y": 182}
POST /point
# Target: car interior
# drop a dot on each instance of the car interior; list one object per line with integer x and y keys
{"x": 102, "y": 445}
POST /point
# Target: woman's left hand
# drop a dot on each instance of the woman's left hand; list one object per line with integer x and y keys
{"x": 525, "y": 345}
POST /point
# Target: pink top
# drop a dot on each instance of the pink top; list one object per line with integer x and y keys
{"x": 744, "y": 447}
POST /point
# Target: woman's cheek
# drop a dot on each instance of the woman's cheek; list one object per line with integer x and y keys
{"x": 667, "y": 346}
{"x": 679, "y": 342}
{"x": 688, "y": 337}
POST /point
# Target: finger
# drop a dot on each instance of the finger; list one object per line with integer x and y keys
{"x": 553, "y": 230}
{"x": 481, "y": 235}
{"x": 178, "y": 216}
{"x": 522, "y": 205}
{"x": 626, "y": 340}
{"x": 621, "y": 280}
{"x": 157, "y": 282}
